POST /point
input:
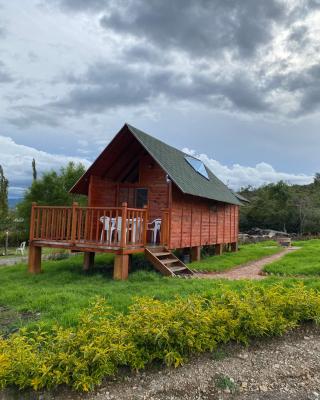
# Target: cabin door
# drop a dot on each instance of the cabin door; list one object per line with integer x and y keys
{"x": 133, "y": 196}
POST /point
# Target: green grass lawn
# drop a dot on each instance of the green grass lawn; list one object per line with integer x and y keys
{"x": 63, "y": 290}
{"x": 305, "y": 261}
{"x": 246, "y": 253}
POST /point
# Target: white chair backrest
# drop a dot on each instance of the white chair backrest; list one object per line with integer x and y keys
{"x": 157, "y": 223}
{"x": 23, "y": 245}
{"x": 115, "y": 224}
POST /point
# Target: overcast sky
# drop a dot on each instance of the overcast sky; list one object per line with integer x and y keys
{"x": 235, "y": 82}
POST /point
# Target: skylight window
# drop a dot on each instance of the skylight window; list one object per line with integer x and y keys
{"x": 198, "y": 166}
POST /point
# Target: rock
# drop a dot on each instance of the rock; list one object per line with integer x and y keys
{"x": 263, "y": 388}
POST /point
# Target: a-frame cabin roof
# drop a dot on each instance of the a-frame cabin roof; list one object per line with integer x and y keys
{"x": 173, "y": 162}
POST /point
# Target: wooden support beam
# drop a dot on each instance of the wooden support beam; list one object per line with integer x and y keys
{"x": 121, "y": 267}
{"x": 234, "y": 246}
{"x": 88, "y": 260}
{"x": 195, "y": 253}
{"x": 218, "y": 249}
{"x": 34, "y": 264}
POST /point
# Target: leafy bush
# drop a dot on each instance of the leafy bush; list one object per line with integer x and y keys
{"x": 168, "y": 332}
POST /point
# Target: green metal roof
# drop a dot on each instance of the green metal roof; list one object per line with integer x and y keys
{"x": 181, "y": 172}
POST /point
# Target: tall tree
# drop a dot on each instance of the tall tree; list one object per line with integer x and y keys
{"x": 52, "y": 189}
{"x": 4, "y": 184}
{"x": 34, "y": 169}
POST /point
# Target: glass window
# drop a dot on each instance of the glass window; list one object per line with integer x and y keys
{"x": 198, "y": 166}
{"x": 141, "y": 197}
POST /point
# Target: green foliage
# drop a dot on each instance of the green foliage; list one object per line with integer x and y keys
{"x": 246, "y": 253}
{"x": 52, "y": 189}
{"x": 280, "y": 206}
{"x": 152, "y": 330}
{"x": 4, "y": 184}
{"x": 224, "y": 382}
{"x": 305, "y": 261}
{"x": 34, "y": 170}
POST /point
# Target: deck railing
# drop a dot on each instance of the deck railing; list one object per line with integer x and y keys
{"x": 105, "y": 226}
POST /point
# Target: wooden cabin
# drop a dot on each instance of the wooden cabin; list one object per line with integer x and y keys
{"x": 143, "y": 195}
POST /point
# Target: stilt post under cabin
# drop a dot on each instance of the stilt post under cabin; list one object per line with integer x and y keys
{"x": 88, "y": 260}
{"x": 121, "y": 267}
{"x": 195, "y": 253}
{"x": 34, "y": 264}
{"x": 218, "y": 249}
{"x": 234, "y": 246}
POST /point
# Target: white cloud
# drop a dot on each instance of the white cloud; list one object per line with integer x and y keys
{"x": 237, "y": 176}
{"x": 16, "y": 161}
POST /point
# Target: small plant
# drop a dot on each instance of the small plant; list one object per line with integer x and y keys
{"x": 223, "y": 382}
{"x": 219, "y": 354}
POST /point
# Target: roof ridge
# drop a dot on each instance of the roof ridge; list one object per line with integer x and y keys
{"x": 154, "y": 138}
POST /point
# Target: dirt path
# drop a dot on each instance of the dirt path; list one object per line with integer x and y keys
{"x": 269, "y": 369}
{"x": 252, "y": 270}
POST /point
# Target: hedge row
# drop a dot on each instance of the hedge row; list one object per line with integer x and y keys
{"x": 151, "y": 331}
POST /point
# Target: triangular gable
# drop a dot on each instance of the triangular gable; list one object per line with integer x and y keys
{"x": 171, "y": 160}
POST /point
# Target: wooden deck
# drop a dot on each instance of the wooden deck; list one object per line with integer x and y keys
{"x": 119, "y": 230}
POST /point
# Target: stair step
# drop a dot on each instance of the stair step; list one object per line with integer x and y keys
{"x": 177, "y": 268}
{"x": 169, "y": 261}
{"x": 164, "y": 253}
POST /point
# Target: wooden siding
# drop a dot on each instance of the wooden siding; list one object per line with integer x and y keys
{"x": 105, "y": 193}
{"x": 154, "y": 178}
{"x": 197, "y": 221}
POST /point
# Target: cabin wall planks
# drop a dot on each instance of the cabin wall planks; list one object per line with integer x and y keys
{"x": 198, "y": 222}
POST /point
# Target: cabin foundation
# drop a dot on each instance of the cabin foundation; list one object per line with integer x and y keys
{"x": 218, "y": 248}
{"x": 121, "y": 266}
{"x": 88, "y": 260}
{"x": 234, "y": 246}
{"x": 34, "y": 261}
{"x": 195, "y": 253}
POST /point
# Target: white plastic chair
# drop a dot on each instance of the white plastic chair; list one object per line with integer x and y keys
{"x": 110, "y": 227}
{"x": 21, "y": 248}
{"x": 155, "y": 229}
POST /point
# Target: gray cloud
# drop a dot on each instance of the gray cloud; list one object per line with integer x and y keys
{"x": 198, "y": 27}
{"x": 5, "y": 76}
{"x": 107, "y": 86}
{"x": 82, "y": 5}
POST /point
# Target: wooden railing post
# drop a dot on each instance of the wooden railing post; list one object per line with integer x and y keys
{"x": 74, "y": 222}
{"x": 123, "y": 225}
{"x": 31, "y": 235}
{"x": 145, "y": 225}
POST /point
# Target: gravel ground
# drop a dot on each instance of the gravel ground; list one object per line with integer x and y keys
{"x": 269, "y": 369}
{"x": 251, "y": 270}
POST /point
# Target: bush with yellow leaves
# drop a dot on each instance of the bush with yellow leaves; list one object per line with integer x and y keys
{"x": 168, "y": 332}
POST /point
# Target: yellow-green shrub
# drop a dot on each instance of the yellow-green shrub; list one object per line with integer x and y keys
{"x": 152, "y": 330}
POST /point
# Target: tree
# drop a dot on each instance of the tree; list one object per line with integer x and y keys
{"x": 316, "y": 179}
{"x": 4, "y": 184}
{"x": 34, "y": 169}
{"x": 52, "y": 189}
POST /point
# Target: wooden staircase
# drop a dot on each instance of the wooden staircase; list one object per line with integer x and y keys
{"x": 166, "y": 262}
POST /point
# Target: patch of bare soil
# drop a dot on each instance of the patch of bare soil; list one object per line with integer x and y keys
{"x": 269, "y": 369}
{"x": 10, "y": 319}
{"x": 252, "y": 270}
